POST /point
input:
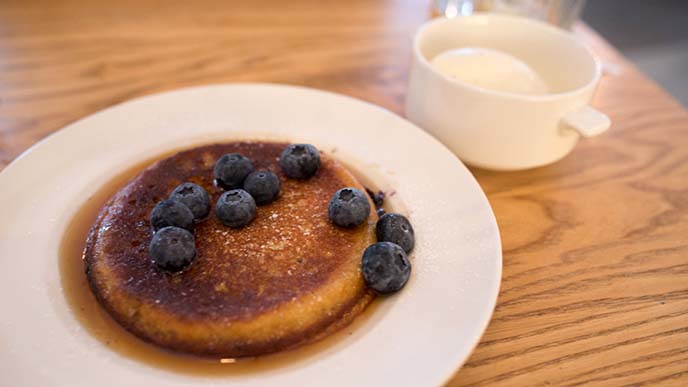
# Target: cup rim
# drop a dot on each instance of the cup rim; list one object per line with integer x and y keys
{"x": 519, "y": 19}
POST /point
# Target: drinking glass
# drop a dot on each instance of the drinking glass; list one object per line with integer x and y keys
{"x": 562, "y": 13}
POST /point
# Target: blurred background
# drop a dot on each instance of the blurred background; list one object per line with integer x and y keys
{"x": 651, "y": 33}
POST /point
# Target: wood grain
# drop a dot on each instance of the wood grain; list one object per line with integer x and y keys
{"x": 595, "y": 285}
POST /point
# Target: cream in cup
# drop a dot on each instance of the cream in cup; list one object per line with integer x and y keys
{"x": 489, "y": 69}
{"x": 503, "y": 92}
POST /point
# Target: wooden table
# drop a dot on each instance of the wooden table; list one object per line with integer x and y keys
{"x": 595, "y": 285}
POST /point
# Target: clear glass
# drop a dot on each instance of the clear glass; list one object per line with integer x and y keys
{"x": 562, "y": 13}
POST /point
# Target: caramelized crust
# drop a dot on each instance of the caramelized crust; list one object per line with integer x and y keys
{"x": 288, "y": 278}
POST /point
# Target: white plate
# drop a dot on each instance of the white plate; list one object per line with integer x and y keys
{"x": 418, "y": 337}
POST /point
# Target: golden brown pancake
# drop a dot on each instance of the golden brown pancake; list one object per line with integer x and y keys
{"x": 288, "y": 278}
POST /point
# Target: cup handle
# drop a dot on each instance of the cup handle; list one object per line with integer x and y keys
{"x": 587, "y": 121}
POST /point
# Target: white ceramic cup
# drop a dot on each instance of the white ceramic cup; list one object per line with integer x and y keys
{"x": 501, "y": 130}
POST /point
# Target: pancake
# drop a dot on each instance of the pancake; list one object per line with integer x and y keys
{"x": 288, "y": 278}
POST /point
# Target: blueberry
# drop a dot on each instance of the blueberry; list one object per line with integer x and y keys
{"x": 193, "y": 196}
{"x": 300, "y": 161}
{"x": 171, "y": 213}
{"x": 397, "y": 229}
{"x": 377, "y": 198}
{"x": 236, "y": 208}
{"x": 385, "y": 267}
{"x": 349, "y": 207}
{"x": 231, "y": 170}
{"x": 264, "y": 186}
{"x": 172, "y": 248}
